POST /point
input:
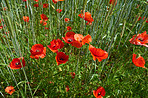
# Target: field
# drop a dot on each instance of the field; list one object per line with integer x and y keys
{"x": 73, "y": 48}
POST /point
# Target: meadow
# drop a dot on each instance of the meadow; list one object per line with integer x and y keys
{"x": 73, "y": 48}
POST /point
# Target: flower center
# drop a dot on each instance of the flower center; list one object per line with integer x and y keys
{"x": 17, "y": 63}
{"x": 98, "y": 93}
{"x": 140, "y": 39}
{"x": 10, "y": 90}
{"x": 37, "y": 50}
{"x": 53, "y": 46}
{"x": 61, "y": 59}
{"x": 69, "y": 40}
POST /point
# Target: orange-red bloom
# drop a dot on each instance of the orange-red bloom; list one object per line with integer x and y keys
{"x": 44, "y": 17}
{"x": 72, "y": 74}
{"x": 67, "y": 88}
{"x": 98, "y": 53}
{"x": 80, "y": 40}
{"x": 139, "y": 18}
{"x": 99, "y": 92}
{"x": 112, "y": 2}
{"x": 87, "y": 17}
{"x": 38, "y": 50}
{"x": 24, "y": 0}
{"x": 67, "y": 20}
{"x": 61, "y": 58}
{"x": 36, "y": 5}
{"x": 87, "y": 39}
{"x": 16, "y": 63}
{"x": 36, "y": 0}
{"x": 55, "y": 45}
{"x": 139, "y": 62}
{"x": 69, "y": 28}
{"x": 26, "y": 18}
{"x": 45, "y": 5}
{"x": 69, "y": 37}
{"x": 1, "y": 27}
{"x": 140, "y": 39}
{"x": 9, "y": 90}
{"x": 55, "y": 1}
{"x": 44, "y": 23}
{"x": 59, "y": 10}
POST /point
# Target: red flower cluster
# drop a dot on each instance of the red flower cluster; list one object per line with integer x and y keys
{"x": 10, "y": 90}
{"x": 69, "y": 28}
{"x": 140, "y": 39}
{"x": 76, "y": 40}
{"x": 26, "y": 18}
{"x": 98, "y": 53}
{"x": 87, "y": 17}
{"x": 17, "y": 63}
{"x": 38, "y": 50}
{"x": 61, "y": 58}
{"x": 143, "y": 19}
{"x": 55, "y": 45}
{"x": 67, "y": 88}
{"x": 139, "y": 62}
{"x": 72, "y": 74}
{"x": 113, "y": 2}
{"x": 55, "y": 1}
{"x": 45, "y": 5}
{"x": 59, "y": 10}
{"x": 1, "y": 27}
{"x": 43, "y": 20}
{"x": 99, "y": 92}
{"x": 36, "y": 5}
{"x": 67, "y": 20}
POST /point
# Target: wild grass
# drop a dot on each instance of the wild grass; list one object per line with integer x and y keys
{"x": 111, "y": 30}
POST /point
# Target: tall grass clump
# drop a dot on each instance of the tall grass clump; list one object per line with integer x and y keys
{"x": 113, "y": 26}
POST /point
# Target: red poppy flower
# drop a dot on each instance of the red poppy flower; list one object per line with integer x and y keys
{"x": 98, "y": 53}
{"x": 24, "y": 0}
{"x": 38, "y": 50}
{"x": 67, "y": 20}
{"x": 99, "y": 92}
{"x": 36, "y": 5}
{"x": 59, "y": 10}
{"x": 112, "y": 2}
{"x": 69, "y": 37}
{"x": 26, "y": 18}
{"x": 87, "y": 39}
{"x": 69, "y": 28}
{"x": 44, "y": 23}
{"x": 140, "y": 39}
{"x": 55, "y": 1}
{"x": 55, "y": 45}
{"x": 139, "y": 62}
{"x": 80, "y": 40}
{"x": 67, "y": 88}
{"x": 139, "y": 18}
{"x": 44, "y": 17}
{"x": 87, "y": 17}
{"x": 72, "y": 74}
{"x": 1, "y": 27}
{"x": 61, "y": 58}
{"x": 36, "y": 0}
{"x": 45, "y": 5}
{"x": 10, "y": 90}
{"x": 16, "y": 63}
{"x": 46, "y": 28}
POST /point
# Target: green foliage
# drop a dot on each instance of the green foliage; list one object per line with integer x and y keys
{"x": 111, "y": 30}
